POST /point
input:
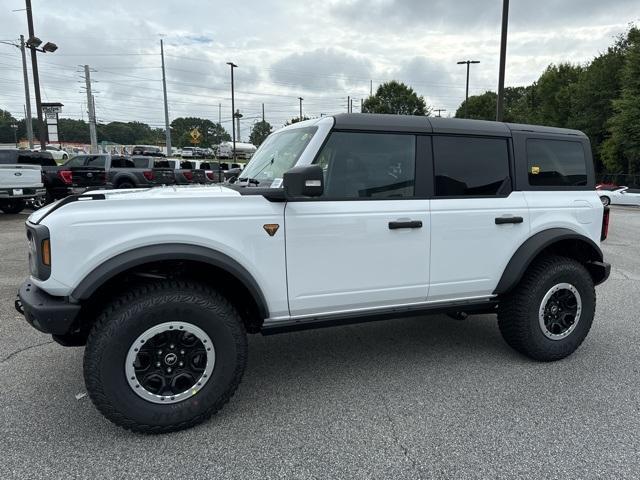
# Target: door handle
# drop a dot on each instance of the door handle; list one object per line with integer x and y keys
{"x": 503, "y": 220}
{"x": 406, "y": 224}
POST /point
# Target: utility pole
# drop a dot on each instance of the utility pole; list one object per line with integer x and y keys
{"x": 371, "y": 88}
{"x": 91, "y": 110}
{"x": 300, "y": 98}
{"x": 42, "y": 132}
{"x": 233, "y": 109}
{"x": 503, "y": 60}
{"x": 263, "y": 113}
{"x": 166, "y": 106}
{"x": 351, "y": 106}
{"x": 439, "y": 111}
{"x": 361, "y": 105}
{"x": 466, "y": 101}
{"x": 348, "y": 104}
{"x": 27, "y": 96}
{"x": 220, "y": 113}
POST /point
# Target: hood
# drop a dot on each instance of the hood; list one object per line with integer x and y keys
{"x": 164, "y": 193}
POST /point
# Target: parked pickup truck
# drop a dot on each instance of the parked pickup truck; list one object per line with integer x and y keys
{"x": 212, "y": 170}
{"x": 61, "y": 181}
{"x": 121, "y": 171}
{"x": 19, "y": 180}
{"x": 186, "y": 173}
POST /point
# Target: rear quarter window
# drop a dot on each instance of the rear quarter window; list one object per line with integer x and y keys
{"x": 556, "y": 163}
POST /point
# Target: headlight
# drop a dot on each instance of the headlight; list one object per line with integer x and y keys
{"x": 39, "y": 251}
{"x": 33, "y": 254}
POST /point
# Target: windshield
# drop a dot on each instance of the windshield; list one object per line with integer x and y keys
{"x": 276, "y": 155}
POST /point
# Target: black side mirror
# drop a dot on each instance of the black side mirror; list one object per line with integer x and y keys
{"x": 304, "y": 181}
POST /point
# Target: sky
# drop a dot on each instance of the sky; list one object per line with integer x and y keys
{"x": 322, "y": 51}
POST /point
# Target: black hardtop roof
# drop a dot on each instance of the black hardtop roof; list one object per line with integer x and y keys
{"x": 421, "y": 124}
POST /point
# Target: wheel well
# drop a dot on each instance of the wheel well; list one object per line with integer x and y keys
{"x": 553, "y": 242}
{"x": 228, "y": 284}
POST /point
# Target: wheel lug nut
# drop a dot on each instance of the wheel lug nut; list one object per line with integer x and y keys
{"x": 172, "y": 346}
{"x": 169, "y": 370}
{"x": 181, "y": 364}
{"x": 181, "y": 352}
{"x": 159, "y": 352}
{"x": 157, "y": 364}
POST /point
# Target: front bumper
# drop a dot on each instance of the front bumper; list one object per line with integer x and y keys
{"x": 44, "y": 312}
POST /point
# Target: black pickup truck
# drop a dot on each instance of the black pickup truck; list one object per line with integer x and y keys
{"x": 122, "y": 172}
{"x": 59, "y": 181}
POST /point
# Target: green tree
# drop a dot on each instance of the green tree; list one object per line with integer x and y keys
{"x": 260, "y": 132}
{"x": 70, "y": 130}
{"x": 296, "y": 120}
{"x": 621, "y": 151}
{"x": 553, "y": 95}
{"x": 212, "y": 133}
{"x": 479, "y": 107}
{"x": 396, "y": 98}
{"x": 6, "y": 130}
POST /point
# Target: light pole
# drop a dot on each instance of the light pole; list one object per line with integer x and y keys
{"x": 27, "y": 97}
{"x": 300, "y": 98}
{"x": 167, "y": 126}
{"x": 503, "y": 60}
{"x": 466, "y": 101}
{"x": 233, "y": 109}
{"x": 15, "y": 133}
{"x": 33, "y": 43}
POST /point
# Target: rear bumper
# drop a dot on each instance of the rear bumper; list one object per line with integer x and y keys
{"x": 44, "y": 312}
{"x": 8, "y": 193}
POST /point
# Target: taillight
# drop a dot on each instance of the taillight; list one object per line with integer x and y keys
{"x": 66, "y": 176}
{"x": 210, "y": 176}
{"x": 148, "y": 174}
{"x": 188, "y": 176}
{"x": 605, "y": 224}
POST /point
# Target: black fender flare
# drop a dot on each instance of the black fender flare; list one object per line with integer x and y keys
{"x": 169, "y": 251}
{"x": 532, "y": 247}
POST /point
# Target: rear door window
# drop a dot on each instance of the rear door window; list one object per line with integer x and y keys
{"x": 555, "y": 163}
{"x": 470, "y": 166}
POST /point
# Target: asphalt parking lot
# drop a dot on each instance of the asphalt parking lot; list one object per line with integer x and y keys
{"x": 426, "y": 397}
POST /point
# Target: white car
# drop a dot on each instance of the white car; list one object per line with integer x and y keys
{"x": 620, "y": 196}
{"x": 56, "y": 152}
{"x": 347, "y": 218}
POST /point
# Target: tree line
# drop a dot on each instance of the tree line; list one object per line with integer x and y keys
{"x": 600, "y": 98}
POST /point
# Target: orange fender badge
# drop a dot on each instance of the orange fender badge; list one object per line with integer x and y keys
{"x": 271, "y": 228}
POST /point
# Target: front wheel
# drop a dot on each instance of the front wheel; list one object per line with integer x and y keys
{"x": 126, "y": 185}
{"x": 606, "y": 201}
{"x": 549, "y": 313}
{"x": 165, "y": 357}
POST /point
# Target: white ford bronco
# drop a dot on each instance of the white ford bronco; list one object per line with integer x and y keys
{"x": 347, "y": 218}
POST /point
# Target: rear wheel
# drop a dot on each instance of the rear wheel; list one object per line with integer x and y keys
{"x": 125, "y": 184}
{"x": 165, "y": 357}
{"x": 606, "y": 201}
{"x": 12, "y": 206}
{"x": 550, "y": 312}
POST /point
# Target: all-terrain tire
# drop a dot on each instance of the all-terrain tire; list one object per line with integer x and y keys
{"x": 148, "y": 305}
{"x": 606, "y": 201}
{"x": 518, "y": 312}
{"x": 126, "y": 184}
